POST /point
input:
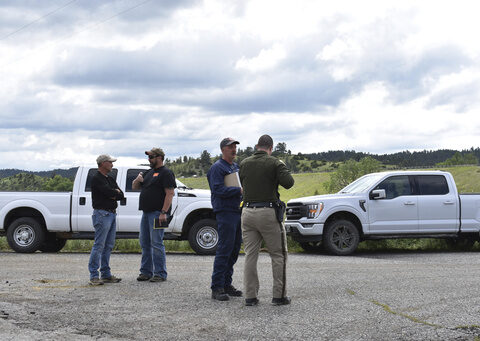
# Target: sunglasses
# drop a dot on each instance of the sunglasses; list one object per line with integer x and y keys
{"x": 152, "y": 157}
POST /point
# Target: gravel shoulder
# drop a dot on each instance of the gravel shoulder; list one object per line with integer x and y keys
{"x": 410, "y": 296}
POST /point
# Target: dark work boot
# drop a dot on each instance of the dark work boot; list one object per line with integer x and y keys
{"x": 232, "y": 291}
{"x": 219, "y": 295}
{"x": 249, "y": 302}
{"x": 281, "y": 301}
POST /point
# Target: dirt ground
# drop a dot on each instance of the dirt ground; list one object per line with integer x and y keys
{"x": 408, "y": 296}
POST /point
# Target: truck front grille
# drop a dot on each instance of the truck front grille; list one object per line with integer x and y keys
{"x": 296, "y": 210}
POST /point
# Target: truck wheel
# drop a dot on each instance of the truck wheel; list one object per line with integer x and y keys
{"x": 52, "y": 243}
{"x": 25, "y": 235}
{"x": 312, "y": 246}
{"x": 203, "y": 237}
{"x": 341, "y": 237}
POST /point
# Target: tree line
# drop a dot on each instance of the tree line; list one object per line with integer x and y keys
{"x": 331, "y": 160}
{"x": 34, "y": 183}
{"x": 424, "y": 158}
{"x": 345, "y": 166}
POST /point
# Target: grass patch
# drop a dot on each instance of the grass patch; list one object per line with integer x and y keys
{"x": 306, "y": 184}
{"x": 420, "y": 244}
{"x": 125, "y": 245}
{"x": 121, "y": 245}
{"x": 200, "y": 182}
{"x": 3, "y": 244}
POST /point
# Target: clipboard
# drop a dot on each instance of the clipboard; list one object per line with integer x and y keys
{"x": 232, "y": 180}
{"x": 157, "y": 224}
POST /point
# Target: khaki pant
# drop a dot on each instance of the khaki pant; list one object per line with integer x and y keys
{"x": 261, "y": 224}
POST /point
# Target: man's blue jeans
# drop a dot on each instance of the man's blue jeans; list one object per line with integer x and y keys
{"x": 229, "y": 242}
{"x": 104, "y": 223}
{"x": 153, "y": 251}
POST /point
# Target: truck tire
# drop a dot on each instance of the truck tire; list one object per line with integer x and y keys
{"x": 341, "y": 237}
{"x": 25, "y": 235}
{"x": 52, "y": 243}
{"x": 312, "y": 247}
{"x": 203, "y": 237}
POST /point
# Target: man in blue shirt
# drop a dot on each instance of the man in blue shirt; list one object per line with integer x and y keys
{"x": 226, "y": 205}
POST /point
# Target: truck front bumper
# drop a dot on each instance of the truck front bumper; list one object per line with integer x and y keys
{"x": 304, "y": 232}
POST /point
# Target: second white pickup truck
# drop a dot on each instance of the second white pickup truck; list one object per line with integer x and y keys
{"x": 402, "y": 204}
{"x": 44, "y": 221}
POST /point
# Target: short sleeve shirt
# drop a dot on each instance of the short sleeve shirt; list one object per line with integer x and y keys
{"x": 152, "y": 196}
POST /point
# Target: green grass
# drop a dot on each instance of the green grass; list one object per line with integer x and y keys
{"x": 467, "y": 178}
{"x": 121, "y": 245}
{"x": 397, "y": 245}
{"x": 125, "y": 245}
{"x": 4, "y": 244}
{"x": 305, "y": 184}
{"x": 200, "y": 182}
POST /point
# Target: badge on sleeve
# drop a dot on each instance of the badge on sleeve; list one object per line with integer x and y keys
{"x": 155, "y": 174}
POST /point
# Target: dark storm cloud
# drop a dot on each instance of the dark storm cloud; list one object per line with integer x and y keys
{"x": 37, "y": 115}
{"x": 166, "y": 66}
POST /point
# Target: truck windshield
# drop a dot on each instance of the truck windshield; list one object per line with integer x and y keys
{"x": 362, "y": 184}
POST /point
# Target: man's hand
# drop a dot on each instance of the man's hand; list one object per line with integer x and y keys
{"x": 139, "y": 177}
{"x": 162, "y": 217}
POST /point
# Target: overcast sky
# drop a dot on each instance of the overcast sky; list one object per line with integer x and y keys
{"x": 86, "y": 77}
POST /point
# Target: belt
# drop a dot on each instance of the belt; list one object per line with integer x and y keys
{"x": 259, "y": 204}
{"x": 111, "y": 210}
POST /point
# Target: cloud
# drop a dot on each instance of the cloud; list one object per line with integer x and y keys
{"x": 107, "y": 77}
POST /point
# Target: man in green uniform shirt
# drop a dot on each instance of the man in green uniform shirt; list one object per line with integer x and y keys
{"x": 260, "y": 175}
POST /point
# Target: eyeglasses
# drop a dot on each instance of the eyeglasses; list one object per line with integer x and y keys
{"x": 152, "y": 157}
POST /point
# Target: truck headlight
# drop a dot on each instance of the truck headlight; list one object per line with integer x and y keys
{"x": 314, "y": 210}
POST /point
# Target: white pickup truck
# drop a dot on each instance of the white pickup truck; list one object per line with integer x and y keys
{"x": 44, "y": 221}
{"x": 402, "y": 204}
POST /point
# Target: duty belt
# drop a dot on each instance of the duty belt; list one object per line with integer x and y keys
{"x": 259, "y": 204}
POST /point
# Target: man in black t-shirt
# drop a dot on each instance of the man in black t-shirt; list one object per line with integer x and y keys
{"x": 158, "y": 185}
{"x": 105, "y": 193}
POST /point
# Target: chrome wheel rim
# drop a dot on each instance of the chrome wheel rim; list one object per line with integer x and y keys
{"x": 24, "y": 235}
{"x": 207, "y": 237}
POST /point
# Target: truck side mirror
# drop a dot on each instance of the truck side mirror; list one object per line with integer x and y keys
{"x": 378, "y": 194}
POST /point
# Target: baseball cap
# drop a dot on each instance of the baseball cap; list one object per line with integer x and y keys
{"x": 228, "y": 141}
{"x": 105, "y": 157}
{"x": 155, "y": 151}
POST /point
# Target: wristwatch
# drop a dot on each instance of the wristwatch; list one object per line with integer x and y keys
{"x": 163, "y": 212}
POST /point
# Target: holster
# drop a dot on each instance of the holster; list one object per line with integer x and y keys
{"x": 280, "y": 209}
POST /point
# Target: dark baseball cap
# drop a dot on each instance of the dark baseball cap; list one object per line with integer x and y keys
{"x": 156, "y": 152}
{"x": 228, "y": 141}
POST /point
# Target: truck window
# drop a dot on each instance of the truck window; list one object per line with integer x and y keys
{"x": 131, "y": 175}
{"x": 396, "y": 186}
{"x": 91, "y": 173}
{"x": 432, "y": 184}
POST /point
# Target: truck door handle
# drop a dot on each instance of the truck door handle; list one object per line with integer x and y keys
{"x": 409, "y": 203}
{"x": 82, "y": 201}
{"x": 123, "y": 202}
{"x": 448, "y": 203}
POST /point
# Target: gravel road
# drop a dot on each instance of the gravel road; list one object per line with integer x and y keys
{"x": 376, "y": 296}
